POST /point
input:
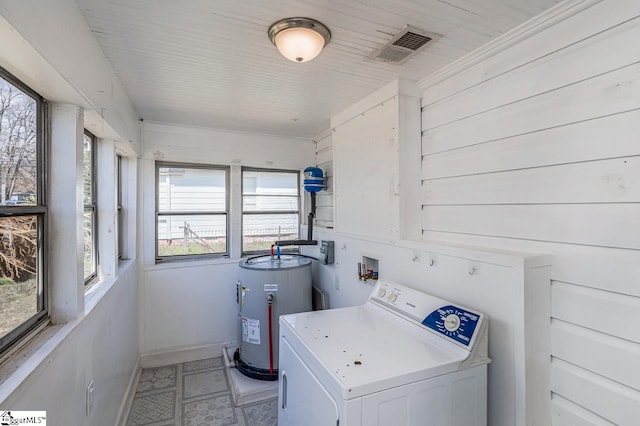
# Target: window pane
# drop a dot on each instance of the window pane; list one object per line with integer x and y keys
{"x": 192, "y": 234}
{"x": 119, "y": 223}
{"x": 18, "y": 143}
{"x": 269, "y": 191}
{"x": 259, "y": 231}
{"x": 257, "y": 203}
{"x": 89, "y": 259}
{"x": 269, "y": 183}
{"x": 19, "y": 293}
{"x": 191, "y": 190}
{"x": 88, "y": 170}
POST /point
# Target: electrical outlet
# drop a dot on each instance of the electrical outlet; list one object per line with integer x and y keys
{"x": 89, "y": 398}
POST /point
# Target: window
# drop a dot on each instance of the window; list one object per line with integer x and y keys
{"x": 191, "y": 211}
{"x": 89, "y": 218}
{"x": 270, "y": 208}
{"x": 119, "y": 212}
{"x": 23, "y": 212}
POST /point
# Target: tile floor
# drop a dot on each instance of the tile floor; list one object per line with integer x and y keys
{"x": 194, "y": 393}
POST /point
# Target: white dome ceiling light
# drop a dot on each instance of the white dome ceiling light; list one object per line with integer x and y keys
{"x": 299, "y": 39}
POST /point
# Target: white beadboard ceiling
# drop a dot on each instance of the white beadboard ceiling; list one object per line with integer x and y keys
{"x": 210, "y": 63}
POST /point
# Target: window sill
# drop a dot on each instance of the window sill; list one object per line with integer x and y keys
{"x": 21, "y": 368}
{"x": 97, "y": 291}
{"x": 190, "y": 263}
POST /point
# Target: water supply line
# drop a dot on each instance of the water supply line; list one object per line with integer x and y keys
{"x": 309, "y": 241}
{"x": 314, "y": 182}
{"x": 228, "y": 362}
{"x": 270, "y": 298}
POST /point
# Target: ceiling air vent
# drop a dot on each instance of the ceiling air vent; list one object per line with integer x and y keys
{"x": 403, "y": 45}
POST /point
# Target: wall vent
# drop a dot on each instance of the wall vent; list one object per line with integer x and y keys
{"x": 403, "y": 45}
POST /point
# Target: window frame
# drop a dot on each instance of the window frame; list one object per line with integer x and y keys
{"x": 40, "y": 210}
{"x": 289, "y": 249}
{"x": 226, "y": 213}
{"x": 119, "y": 210}
{"x": 92, "y": 207}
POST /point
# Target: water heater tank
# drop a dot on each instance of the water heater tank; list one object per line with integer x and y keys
{"x": 287, "y": 283}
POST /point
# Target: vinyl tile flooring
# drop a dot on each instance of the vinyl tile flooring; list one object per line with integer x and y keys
{"x": 194, "y": 393}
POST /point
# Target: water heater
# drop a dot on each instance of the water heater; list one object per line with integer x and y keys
{"x": 266, "y": 289}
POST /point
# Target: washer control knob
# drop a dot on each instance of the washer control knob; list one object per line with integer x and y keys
{"x": 393, "y": 297}
{"x": 452, "y": 322}
{"x": 382, "y": 292}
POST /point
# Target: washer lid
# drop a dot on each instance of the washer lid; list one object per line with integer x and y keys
{"x": 365, "y": 349}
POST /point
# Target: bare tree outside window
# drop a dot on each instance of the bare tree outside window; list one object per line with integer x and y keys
{"x": 18, "y": 154}
{"x": 18, "y": 284}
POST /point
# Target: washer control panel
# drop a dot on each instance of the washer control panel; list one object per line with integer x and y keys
{"x": 454, "y": 322}
{"x": 450, "y": 321}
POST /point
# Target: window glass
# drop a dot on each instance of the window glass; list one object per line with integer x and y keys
{"x": 120, "y": 212}
{"x": 88, "y": 226}
{"x": 89, "y": 217}
{"x": 19, "y": 299}
{"x": 18, "y": 147}
{"x": 270, "y": 208}
{"x": 23, "y": 219}
{"x": 87, "y": 151}
{"x": 260, "y": 231}
{"x": 192, "y": 215}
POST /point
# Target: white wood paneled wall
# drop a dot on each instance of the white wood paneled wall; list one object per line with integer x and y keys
{"x": 537, "y": 147}
{"x": 324, "y": 160}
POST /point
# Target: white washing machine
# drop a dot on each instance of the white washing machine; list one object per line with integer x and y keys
{"x": 402, "y": 358}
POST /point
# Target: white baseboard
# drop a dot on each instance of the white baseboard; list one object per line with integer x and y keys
{"x": 125, "y": 406}
{"x": 177, "y": 356}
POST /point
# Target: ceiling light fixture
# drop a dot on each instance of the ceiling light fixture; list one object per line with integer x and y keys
{"x": 299, "y": 39}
